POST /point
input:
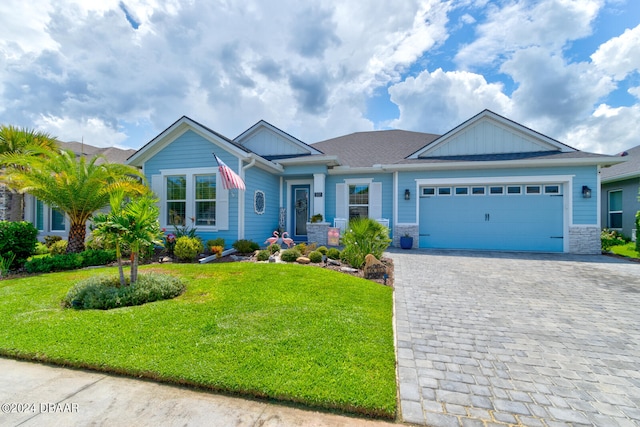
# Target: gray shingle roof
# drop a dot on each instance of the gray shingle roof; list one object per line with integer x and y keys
{"x": 112, "y": 154}
{"x": 628, "y": 169}
{"x": 362, "y": 149}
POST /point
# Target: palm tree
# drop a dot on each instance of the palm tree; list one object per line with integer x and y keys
{"x": 74, "y": 185}
{"x": 14, "y": 140}
{"x": 134, "y": 224}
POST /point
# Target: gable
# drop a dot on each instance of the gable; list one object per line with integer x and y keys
{"x": 268, "y": 141}
{"x": 489, "y": 134}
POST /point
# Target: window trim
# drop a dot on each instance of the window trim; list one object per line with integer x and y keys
{"x": 609, "y": 211}
{"x": 367, "y": 205}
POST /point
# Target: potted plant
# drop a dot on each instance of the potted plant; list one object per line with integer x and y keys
{"x": 406, "y": 241}
{"x": 316, "y": 218}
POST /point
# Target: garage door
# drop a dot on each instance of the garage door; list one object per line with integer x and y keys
{"x": 494, "y": 217}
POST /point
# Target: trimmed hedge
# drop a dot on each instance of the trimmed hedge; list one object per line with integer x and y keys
{"x": 64, "y": 262}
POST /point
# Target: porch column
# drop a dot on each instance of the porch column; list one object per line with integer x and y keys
{"x": 319, "y": 195}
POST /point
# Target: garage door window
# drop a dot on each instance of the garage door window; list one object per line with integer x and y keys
{"x": 444, "y": 191}
{"x": 552, "y": 189}
{"x": 428, "y": 191}
{"x": 514, "y": 189}
{"x": 533, "y": 189}
{"x": 615, "y": 209}
{"x": 477, "y": 191}
{"x": 496, "y": 190}
{"x": 462, "y": 191}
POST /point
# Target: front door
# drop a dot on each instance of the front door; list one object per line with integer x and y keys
{"x": 300, "y": 209}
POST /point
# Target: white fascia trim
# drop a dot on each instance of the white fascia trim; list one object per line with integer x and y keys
{"x": 188, "y": 171}
{"x": 346, "y": 170}
{"x": 497, "y": 180}
{"x": 263, "y": 163}
{"x": 494, "y": 164}
{"x": 306, "y": 160}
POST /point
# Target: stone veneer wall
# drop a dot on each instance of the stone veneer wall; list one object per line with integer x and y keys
{"x": 401, "y": 229}
{"x": 4, "y": 200}
{"x": 584, "y": 240}
{"x": 318, "y": 232}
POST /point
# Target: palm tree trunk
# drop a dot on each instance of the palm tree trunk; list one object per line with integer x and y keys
{"x": 77, "y": 233}
{"x": 15, "y": 203}
{"x": 134, "y": 268}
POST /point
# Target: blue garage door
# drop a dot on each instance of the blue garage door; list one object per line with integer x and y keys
{"x": 502, "y": 217}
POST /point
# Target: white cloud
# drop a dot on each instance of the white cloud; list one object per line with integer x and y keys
{"x": 438, "y": 101}
{"x": 548, "y": 23}
{"x": 92, "y": 131}
{"x": 620, "y": 55}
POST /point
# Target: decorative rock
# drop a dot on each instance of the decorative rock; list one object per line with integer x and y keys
{"x": 165, "y": 259}
{"x": 272, "y": 259}
{"x": 348, "y": 269}
{"x": 333, "y": 261}
{"x": 373, "y": 269}
{"x": 303, "y": 260}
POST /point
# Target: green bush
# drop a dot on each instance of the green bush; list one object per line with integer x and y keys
{"x": 17, "y": 238}
{"x": 50, "y": 240}
{"x": 301, "y": 247}
{"x": 188, "y": 248}
{"x": 290, "y": 255}
{"x": 275, "y": 248}
{"x": 315, "y": 256}
{"x": 245, "y": 246}
{"x": 609, "y": 238}
{"x": 59, "y": 247}
{"x": 333, "y": 253}
{"x": 105, "y": 292}
{"x": 70, "y": 261}
{"x": 263, "y": 255}
{"x": 5, "y": 263}
{"x": 364, "y": 236}
{"x": 98, "y": 257}
{"x": 218, "y": 241}
{"x": 41, "y": 249}
{"x": 323, "y": 250}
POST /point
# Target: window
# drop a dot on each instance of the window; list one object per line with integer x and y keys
{"x": 533, "y": 189}
{"x": 514, "y": 189}
{"x": 615, "y": 209}
{"x": 496, "y": 190}
{"x": 358, "y": 201}
{"x": 39, "y": 223}
{"x": 57, "y": 220}
{"x": 205, "y": 200}
{"x": 477, "y": 191}
{"x": 444, "y": 191}
{"x": 176, "y": 199}
{"x": 462, "y": 191}
{"x": 552, "y": 189}
{"x": 428, "y": 191}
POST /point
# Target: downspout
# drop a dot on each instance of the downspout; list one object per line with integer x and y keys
{"x": 241, "y": 200}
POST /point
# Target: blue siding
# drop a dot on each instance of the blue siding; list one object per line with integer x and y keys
{"x": 259, "y": 227}
{"x": 305, "y": 170}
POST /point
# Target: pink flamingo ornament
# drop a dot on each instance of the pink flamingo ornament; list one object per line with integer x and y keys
{"x": 274, "y": 239}
{"x": 286, "y": 240}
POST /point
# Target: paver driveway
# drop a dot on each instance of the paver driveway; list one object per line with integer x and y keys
{"x": 508, "y": 338}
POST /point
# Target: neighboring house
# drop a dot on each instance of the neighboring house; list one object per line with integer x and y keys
{"x": 489, "y": 184}
{"x": 620, "y": 185}
{"x": 51, "y": 222}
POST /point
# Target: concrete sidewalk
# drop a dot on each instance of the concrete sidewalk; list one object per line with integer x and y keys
{"x": 33, "y": 394}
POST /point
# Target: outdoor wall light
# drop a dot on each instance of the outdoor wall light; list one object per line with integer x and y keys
{"x": 586, "y": 192}
{"x": 407, "y": 194}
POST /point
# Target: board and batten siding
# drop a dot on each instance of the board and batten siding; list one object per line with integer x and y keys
{"x": 266, "y": 142}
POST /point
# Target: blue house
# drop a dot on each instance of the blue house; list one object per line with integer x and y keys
{"x": 489, "y": 184}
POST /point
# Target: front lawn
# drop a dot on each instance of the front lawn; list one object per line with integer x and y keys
{"x": 287, "y": 332}
{"x": 627, "y": 250}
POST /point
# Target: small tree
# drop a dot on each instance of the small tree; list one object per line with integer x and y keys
{"x": 364, "y": 236}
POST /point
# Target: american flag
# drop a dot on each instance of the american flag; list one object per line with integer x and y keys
{"x": 230, "y": 179}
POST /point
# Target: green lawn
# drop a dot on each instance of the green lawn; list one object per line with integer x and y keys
{"x": 627, "y": 250}
{"x": 288, "y": 332}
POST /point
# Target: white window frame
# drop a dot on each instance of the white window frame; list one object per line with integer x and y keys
{"x": 464, "y": 193}
{"x": 501, "y": 193}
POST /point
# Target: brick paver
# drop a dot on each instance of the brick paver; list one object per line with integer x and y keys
{"x": 499, "y": 339}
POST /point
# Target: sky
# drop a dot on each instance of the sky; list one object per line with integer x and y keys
{"x": 117, "y": 73}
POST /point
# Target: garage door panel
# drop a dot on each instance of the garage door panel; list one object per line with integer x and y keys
{"x": 506, "y": 222}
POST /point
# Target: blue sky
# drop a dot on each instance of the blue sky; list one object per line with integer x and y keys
{"x": 118, "y": 72}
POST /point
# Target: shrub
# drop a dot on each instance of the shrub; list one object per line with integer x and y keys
{"x": 17, "y": 238}
{"x": 188, "y": 248}
{"x": 218, "y": 241}
{"x": 217, "y": 251}
{"x": 333, "y": 253}
{"x": 290, "y": 255}
{"x": 323, "y": 250}
{"x": 59, "y": 247}
{"x": 315, "y": 256}
{"x": 275, "y": 248}
{"x": 105, "y": 292}
{"x": 364, "y": 236}
{"x": 245, "y": 246}
{"x": 301, "y": 247}
{"x": 5, "y": 263}
{"x": 98, "y": 257}
{"x": 609, "y": 238}
{"x": 263, "y": 255}
{"x": 41, "y": 249}
{"x": 70, "y": 261}
{"x": 50, "y": 240}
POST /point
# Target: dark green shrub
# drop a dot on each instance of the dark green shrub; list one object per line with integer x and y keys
{"x": 105, "y": 292}
{"x": 609, "y": 238}
{"x": 54, "y": 263}
{"x": 364, "y": 236}
{"x": 188, "y": 248}
{"x": 323, "y": 250}
{"x": 18, "y": 238}
{"x": 290, "y": 255}
{"x": 50, "y": 240}
{"x": 98, "y": 257}
{"x": 218, "y": 241}
{"x": 275, "y": 248}
{"x": 263, "y": 255}
{"x": 315, "y": 256}
{"x": 59, "y": 247}
{"x": 333, "y": 253}
{"x": 245, "y": 246}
